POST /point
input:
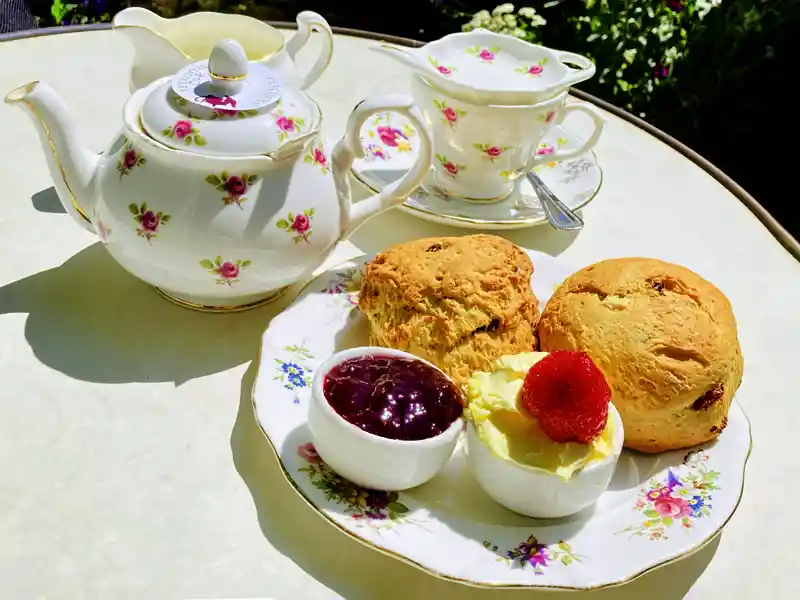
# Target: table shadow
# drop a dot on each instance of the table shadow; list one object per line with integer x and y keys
{"x": 356, "y": 572}
{"x": 48, "y": 201}
{"x": 393, "y": 226}
{"x": 91, "y": 320}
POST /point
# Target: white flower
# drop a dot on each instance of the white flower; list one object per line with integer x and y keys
{"x": 705, "y": 6}
{"x": 527, "y": 12}
{"x": 503, "y": 9}
{"x": 629, "y": 55}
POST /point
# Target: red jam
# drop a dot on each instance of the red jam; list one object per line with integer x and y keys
{"x": 392, "y": 397}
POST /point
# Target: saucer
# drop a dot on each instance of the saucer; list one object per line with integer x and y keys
{"x": 391, "y": 145}
{"x": 659, "y": 508}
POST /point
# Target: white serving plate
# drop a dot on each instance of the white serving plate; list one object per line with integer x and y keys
{"x": 449, "y": 527}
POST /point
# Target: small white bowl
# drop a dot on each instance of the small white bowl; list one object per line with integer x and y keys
{"x": 534, "y": 492}
{"x": 366, "y": 459}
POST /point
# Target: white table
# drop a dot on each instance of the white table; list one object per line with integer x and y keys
{"x": 130, "y": 462}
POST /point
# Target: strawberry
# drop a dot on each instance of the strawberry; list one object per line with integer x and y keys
{"x": 568, "y": 395}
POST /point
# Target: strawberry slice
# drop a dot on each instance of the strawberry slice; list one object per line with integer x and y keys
{"x": 568, "y": 395}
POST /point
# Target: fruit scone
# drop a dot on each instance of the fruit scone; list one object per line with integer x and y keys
{"x": 459, "y": 302}
{"x": 664, "y": 337}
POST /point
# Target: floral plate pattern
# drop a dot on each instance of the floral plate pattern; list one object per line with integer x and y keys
{"x": 657, "y": 509}
{"x": 390, "y": 153}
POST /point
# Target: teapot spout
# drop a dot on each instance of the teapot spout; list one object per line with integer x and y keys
{"x": 72, "y": 165}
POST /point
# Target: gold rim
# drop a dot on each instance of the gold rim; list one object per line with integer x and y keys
{"x": 10, "y": 99}
{"x": 459, "y": 219}
{"x": 221, "y": 309}
{"x": 191, "y": 58}
{"x": 476, "y": 584}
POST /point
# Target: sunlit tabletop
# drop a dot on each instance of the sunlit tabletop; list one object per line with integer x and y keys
{"x": 131, "y": 465}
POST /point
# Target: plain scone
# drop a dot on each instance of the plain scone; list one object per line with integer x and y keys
{"x": 458, "y": 302}
{"x": 664, "y": 337}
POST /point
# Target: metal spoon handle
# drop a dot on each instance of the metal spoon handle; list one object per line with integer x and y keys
{"x": 557, "y": 213}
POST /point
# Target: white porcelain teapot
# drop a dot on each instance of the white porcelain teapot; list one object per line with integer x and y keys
{"x": 219, "y": 190}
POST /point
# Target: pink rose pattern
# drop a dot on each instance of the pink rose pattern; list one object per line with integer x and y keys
{"x": 449, "y": 114}
{"x": 103, "y": 231}
{"x": 233, "y": 186}
{"x": 390, "y": 136}
{"x": 446, "y": 71}
{"x": 490, "y": 151}
{"x": 186, "y": 131}
{"x": 534, "y": 70}
{"x": 227, "y": 272}
{"x": 299, "y": 225}
{"x": 450, "y": 168}
{"x": 316, "y": 156}
{"x": 130, "y": 158}
{"x": 286, "y": 124}
{"x": 486, "y": 55}
{"x": 149, "y": 221}
{"x": 684, "y": 497}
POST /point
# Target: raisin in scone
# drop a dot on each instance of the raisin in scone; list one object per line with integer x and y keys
{"x": 664, "y": 337}
{"x": 459, "y": 302}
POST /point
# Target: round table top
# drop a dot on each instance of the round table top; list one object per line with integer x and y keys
{"x": 132, "y": 465}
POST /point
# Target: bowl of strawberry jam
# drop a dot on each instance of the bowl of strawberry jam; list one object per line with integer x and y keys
{"x": 384, "y": 419}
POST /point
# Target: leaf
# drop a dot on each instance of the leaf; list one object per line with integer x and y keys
{"x": 651, "y": 513}
{"x": 398, "y": 507}
{"x": 564, "y": 546}
{"x": 134, "y": 209}
{"x": 667, "y": 521}
{"x": 206, "y": 264}
{"x": 224, "y": 176}
{"x": 213, "y": 180}
{"x": 218, "y": 261}
{"x": 166, "y": 131}
{"x": 291, "y": 217}
{"x": 187, "y": 140}
{"x": 246, "y": 263}
{"x": 566, "y": 560}
{"x": 543, "y": 62}
{"x": 308, "y": 159}
{"x": 478, "y": 146}
{"x": 166, "y": 218}
{"x": 251, "y": 179}
{"x": 300, "y": 121}
{"x": 282, "y": 224}
{"x": 143, "y": 207}
{"x": 393, "y": 496}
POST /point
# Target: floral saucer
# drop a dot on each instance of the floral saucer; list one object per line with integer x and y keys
{"x": 657, "y": 509}
{"x": 390, "y": 145}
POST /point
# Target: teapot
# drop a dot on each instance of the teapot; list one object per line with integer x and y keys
{"x": 219, "y": 190}
{"x": 162, "y": 46}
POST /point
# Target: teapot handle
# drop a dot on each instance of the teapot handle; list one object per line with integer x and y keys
{"x": 308, "y": 21}
{"x": 346, "y": 150}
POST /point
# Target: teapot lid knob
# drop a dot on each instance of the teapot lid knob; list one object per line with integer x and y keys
{"x": 228, "y": 66}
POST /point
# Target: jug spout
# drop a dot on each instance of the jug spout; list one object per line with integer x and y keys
{"x": 155, "y": 54}
{"x": 403, "y": 55}
{"x": 72, "y": 165}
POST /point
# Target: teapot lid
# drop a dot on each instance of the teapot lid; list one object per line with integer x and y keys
{"x": 228, "y": 106}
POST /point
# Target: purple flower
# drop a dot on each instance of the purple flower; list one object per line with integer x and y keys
{"x": 661, "y": 71}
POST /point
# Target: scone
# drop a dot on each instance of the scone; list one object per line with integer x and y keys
{"x": 458, "y": 302}
{"x": 664, "y": 337}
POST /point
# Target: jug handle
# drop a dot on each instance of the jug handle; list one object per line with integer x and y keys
{"x": 559, "y": 155}
{"x": 354, "y": 214}
{"x": 308, "y": 21}
{"x": 585, "y": 70}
